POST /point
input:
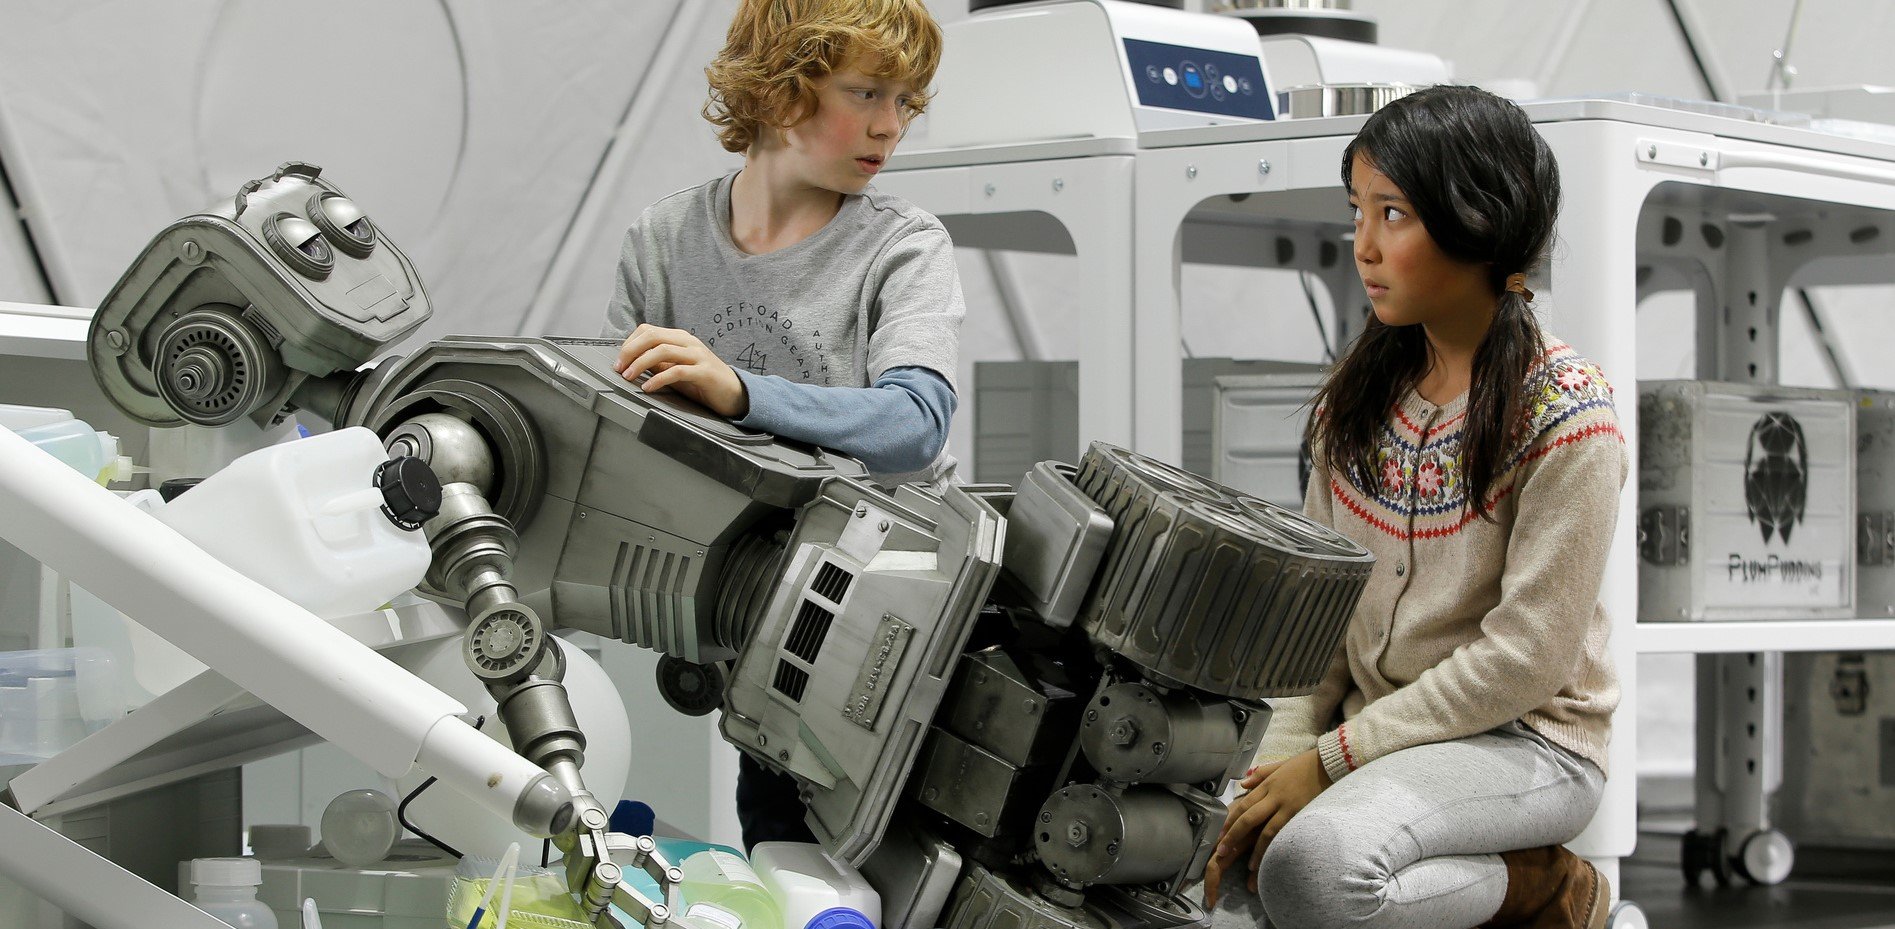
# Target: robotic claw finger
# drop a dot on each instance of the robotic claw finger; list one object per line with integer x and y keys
{"x": 1007, "y": 706}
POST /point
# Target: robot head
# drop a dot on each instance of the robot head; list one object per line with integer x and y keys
{"x": 1776, "y": 474}
{"x": 229, "y": 310}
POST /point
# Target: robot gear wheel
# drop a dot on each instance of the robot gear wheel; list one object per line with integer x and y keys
{"x": 214, "y": 368}
{"x": 505, "y": 643}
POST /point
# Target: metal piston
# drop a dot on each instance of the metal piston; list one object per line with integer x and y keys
{"x": 1088, "y": 835}
{"x": 1133, "y": 734}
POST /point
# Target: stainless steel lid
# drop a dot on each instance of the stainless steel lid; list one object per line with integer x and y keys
{"x": 1228, "y": 5}
{"x": 1340, "y": 99}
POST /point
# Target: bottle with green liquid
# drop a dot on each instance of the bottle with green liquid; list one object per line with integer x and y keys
{"x": 720, "y": 889}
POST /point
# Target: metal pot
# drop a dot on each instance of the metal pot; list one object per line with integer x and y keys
{"x": 1228, "y": 5}
{"x": 1340, "y": 99}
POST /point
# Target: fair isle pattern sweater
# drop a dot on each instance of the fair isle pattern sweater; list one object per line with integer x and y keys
{"x": 1467, "y": 624}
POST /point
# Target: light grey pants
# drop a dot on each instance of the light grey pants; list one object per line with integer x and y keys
{"x": 1411, "y": 839}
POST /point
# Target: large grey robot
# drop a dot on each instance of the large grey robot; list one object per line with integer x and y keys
{"x": 1010, "y": 707}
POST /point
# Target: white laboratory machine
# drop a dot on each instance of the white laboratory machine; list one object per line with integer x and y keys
{"x": 1090, "y": 69}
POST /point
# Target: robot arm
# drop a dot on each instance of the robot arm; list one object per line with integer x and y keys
{"x": 1036, "y": 695}
{"x": 270, "y": 302}
{"x": 506, "y": 647}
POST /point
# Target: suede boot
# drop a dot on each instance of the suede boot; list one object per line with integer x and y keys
{"x": 1552, "y": 888}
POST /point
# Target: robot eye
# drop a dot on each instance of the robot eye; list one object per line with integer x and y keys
{"x": 300, "y": 244}
{"x": 343, "y": 223}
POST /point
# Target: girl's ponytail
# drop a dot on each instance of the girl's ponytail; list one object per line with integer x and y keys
{"x": 1496, "y": 400}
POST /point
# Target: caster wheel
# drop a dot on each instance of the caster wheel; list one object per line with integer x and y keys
{"x": 1720, "y": 859}
{"x": 1627, "y": 915}
{"x": 1766, "y": 857}
{"x": 1701, "y": 852}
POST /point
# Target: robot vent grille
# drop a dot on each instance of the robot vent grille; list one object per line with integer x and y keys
{"x": 790, "y": 681}
{"x": 807, "y": 634}
{"x": 832, "y": 583}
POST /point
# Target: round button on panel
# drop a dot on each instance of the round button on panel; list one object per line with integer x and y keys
{"x": 1193, "y": 77}
{"x": 1230, "y": 84}
{"x": 1171, "y": 76}
{"x": 1152, "y": 74}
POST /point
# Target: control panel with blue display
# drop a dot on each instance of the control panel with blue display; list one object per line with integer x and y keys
{"x": 1197, "y": 79}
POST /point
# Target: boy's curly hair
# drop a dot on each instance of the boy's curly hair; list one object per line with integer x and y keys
{"x": 777, "y": 50}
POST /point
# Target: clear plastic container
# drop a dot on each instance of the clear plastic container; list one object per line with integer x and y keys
{"x": 52, "y": 698}
{"x": 359, "y": 827}
{"x": 722, "y": 891}
{"x": 91, "y": 453}
{"x": 815, "y": 890}
{"x": 540, "y": 898}
{"x": 675, "y": 851}
{"x": 226, "y": 889}
{"x": 16, "y": 417}
{"x": 148, "y": 665}
{"x": 329, "y": 546}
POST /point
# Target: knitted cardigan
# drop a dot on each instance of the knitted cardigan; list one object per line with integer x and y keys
{"x": 1467, "y": 624}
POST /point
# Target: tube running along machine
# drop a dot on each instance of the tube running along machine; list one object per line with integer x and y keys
{"x": 1008, "y": 706}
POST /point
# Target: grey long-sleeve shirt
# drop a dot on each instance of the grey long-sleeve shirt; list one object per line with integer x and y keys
{"x": 873, "y": 291}
{"x": 898, "y": 425}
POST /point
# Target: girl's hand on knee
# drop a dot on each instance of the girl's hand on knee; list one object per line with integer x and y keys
{"x": 1213, "y": 877}
{"x": 679, "y": 360}
{"x": 1255, "y": 775}
{"x": 1282, "y": 791}
{"x": 1232, "y": 843}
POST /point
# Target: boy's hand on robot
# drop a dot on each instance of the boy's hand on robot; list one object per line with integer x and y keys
{"x": 679, "y": 360}
{"x": 1274, "y": 793}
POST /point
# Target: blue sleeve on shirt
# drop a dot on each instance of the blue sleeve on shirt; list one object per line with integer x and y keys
{"x": 897, "y": 425}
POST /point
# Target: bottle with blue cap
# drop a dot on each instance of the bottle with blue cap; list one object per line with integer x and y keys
{"x": 814, "y": 889}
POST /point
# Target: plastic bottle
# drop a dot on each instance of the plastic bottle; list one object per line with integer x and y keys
{"x": 674, "y": 849}
{"x": 226, "y": 889}
{"x": 815, "y": 890}
{"x": 91, "y": 453}
{"x": 720, "y": 889}
{"x": 305, "y": 519}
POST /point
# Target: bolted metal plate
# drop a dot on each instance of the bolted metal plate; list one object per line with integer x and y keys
{"x": 992, "y": 705}
{"x": 986, "y": 900}
{"x": 968, "y": 784}
{"x": 871, "y": 683}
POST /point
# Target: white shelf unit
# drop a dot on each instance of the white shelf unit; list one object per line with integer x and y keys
{"x": 1787, "y": 635}
{"x": 1224, "y": 195}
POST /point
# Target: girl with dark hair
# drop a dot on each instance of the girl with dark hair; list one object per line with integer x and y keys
{"x": 1460, "y": 734}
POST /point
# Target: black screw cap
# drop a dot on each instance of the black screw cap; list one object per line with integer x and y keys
{"x": 172, "y": 489}
{"x": 411, "y": 494}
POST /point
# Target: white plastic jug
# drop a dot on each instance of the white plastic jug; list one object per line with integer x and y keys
{"x": 90, "y": 452}
{"x": 721, "y": 891}
{"x": 815, "y": 890}
{"x": 16, "y": 417}
{"x": 304, "y": 519}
